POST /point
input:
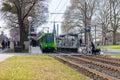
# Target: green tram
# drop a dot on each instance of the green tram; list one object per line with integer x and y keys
{"x": 47, "y": 42}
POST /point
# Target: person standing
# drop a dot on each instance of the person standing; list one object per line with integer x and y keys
{"x": 8, "y": 44}
{"x": 80, "y": 41}
{"x": 3, "y": 44}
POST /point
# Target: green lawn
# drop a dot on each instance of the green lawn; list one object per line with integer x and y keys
{"x": 37, "y": 68}
{"x": 117, "y": 55}
{"x": 110, "y": 47}
{"x": 12, "y": 51}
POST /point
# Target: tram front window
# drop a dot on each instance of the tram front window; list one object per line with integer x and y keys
{"x": 50, "y": 38}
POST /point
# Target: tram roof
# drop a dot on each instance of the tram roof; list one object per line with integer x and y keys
{"x": 69, "y": 34}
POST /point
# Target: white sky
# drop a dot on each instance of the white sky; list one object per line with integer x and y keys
{"x": 2, "y": 23}
{"x": 56, "y": 6}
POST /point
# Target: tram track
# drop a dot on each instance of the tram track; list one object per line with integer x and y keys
{"x": 93, "y": 69}
{"x": 105, "y": 68}
{"x": 110, "y": 58}
{"x": 105, "y": 61}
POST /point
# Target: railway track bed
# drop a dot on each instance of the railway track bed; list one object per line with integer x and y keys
{"x": 97, "y": 67}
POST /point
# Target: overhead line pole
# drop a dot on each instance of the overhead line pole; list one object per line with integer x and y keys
{"x": 95, "y": 34}
{"x": 85, "y": 22}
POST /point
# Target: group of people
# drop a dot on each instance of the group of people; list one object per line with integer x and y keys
{"x": 5, "y": 44}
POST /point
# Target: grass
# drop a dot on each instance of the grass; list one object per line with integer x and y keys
{"x": 110, "y": 47}
{"x": 37, "y": 68}
{"x": 12, "y": 51}
{"x": 116, "y": 55}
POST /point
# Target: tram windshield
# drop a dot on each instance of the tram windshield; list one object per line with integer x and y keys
{"x": 50, "y": 38}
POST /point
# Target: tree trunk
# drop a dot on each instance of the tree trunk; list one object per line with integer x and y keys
{"x": 114, "y": 38}
{"x": 89, "y": 31}
{"x": 105, "y": 39}
{"x": 22, "y": 32}
{"x": 21, "y": 25}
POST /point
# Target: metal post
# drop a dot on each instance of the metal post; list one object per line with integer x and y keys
{"x": 29, "y": 20}
{"x": 85, "y": 23}
{"x": 95, "y": 34}
{"x": 57, "y": 29}
{"x": 29, "y": 38}
{"x": 102, "y": 35}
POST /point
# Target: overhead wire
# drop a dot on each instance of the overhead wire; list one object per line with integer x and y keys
{"x": 60, "y": 1}
{"x": 59, "y": 13}
{"x": 62, "y": 8}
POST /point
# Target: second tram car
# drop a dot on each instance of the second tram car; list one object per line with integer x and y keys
{"x": 68, "y": 42}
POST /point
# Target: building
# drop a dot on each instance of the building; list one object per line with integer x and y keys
{"x": 3, "y": 37}
{"x": 15, "y": 34}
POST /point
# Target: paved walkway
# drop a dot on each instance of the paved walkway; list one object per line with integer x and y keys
{"x": 2, "y": 51}
{"x": 5, "y": 56}
{"x": 36, "y": 50}
{"x": 111, "y": 51}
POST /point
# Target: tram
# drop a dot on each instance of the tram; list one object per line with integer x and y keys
{"x": 47, "y": 42}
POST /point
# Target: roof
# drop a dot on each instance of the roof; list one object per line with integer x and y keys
{"x": 68, "y": 34}
{"x": 42, "y": 34}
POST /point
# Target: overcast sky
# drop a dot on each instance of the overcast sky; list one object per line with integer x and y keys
{"x": 1, "y": 20}
{"x": 56, "y": 6}
{"x": 2, "y": 23}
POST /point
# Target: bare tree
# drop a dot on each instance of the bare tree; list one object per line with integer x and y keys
{"x": 105, "y": 12}
{"x": 72, "y": 18}
{"x": 103, "y": 18}
{"x": 86, "y": 9}
{"x": 22, "y": 9}
{"x": 114, "y": 17}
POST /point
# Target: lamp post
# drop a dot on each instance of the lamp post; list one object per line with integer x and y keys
{"x": 57, "y": 29}
{"x": 29, "y": 20}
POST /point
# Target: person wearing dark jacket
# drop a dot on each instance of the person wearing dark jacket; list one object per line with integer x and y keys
{"x": 3, "y": 44}
{"x": 94, "y": 50}
{"x": 33, "y": 43}
{"x": 8, "y": 44}
{"x": 93, "y": 46}
{"x": 80, "y": 41}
